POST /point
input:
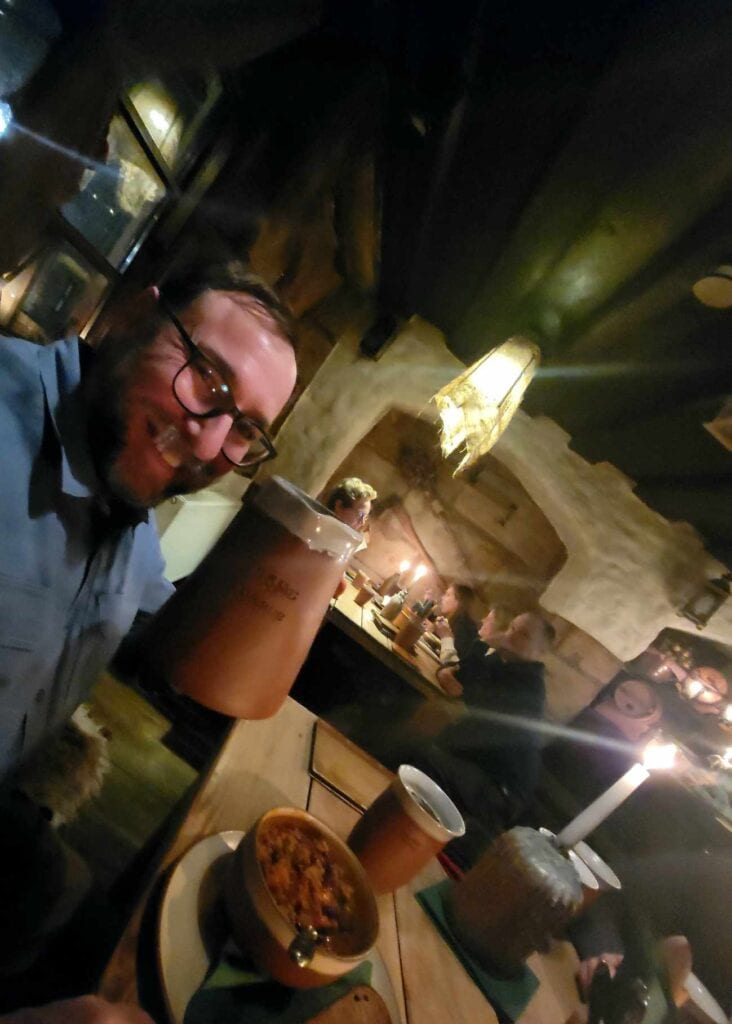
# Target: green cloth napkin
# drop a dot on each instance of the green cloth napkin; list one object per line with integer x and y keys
{"x": 234, "y": 993}
{"x": 512, "y": 995}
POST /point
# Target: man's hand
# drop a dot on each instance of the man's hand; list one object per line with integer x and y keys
{"x": 83, "y": 1010}
{"x": 441, "y": 627}
{"x": 449, "y": 682}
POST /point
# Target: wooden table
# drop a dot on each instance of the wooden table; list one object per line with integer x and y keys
{"x": 417, "y": 668}
{"x": 265, "y": 764}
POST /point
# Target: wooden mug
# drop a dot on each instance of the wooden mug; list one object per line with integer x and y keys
{"x": 235, "y": 635}
{"x": 363, "y": 596}
{"x": 404, "y": 828}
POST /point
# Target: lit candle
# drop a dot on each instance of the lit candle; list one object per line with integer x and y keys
{"x": 693, "y": 687}
{"x": 727, "y": 713}
{"x": 419, "y": 572}
{"x": 403, "y": 566}
{"x": 655, "y": 756}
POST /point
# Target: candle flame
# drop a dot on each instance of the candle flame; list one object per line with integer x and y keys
{"x": 403, "y": 566}
{"x": 659, "y": 756}
{"x": 693, "y": 688}
{"x": 727, "y": 713}
{"x": 419, "y": 572}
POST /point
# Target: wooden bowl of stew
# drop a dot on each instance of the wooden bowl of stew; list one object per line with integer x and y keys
{"x": 290, "y": 875}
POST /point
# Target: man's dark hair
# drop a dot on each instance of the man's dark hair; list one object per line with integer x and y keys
{"x": 184, "y": 286}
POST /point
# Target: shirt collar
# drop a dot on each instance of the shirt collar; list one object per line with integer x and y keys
{"x": 61, "y": 376}
{"x": 62, "y": 368}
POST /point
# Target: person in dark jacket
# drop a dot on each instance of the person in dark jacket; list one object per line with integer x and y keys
{"x": 488, "y": 760}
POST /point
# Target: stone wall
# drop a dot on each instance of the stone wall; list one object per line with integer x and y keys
{"x": 480, "y": 527}
{"x": 627, "y": 570}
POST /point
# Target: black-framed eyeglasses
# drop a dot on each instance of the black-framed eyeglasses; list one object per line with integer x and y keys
{"x": 202, "y": 390}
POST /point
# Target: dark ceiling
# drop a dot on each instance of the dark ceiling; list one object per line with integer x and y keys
{"x": 561, "y": 170}
{"x": 565, "y": 171}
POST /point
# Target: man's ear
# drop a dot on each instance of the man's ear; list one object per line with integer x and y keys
{"x": 149, "y": 298}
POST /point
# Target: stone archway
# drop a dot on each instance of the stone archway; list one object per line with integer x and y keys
{"x": 628, "y": 569}
{"x": 350, "y": 394}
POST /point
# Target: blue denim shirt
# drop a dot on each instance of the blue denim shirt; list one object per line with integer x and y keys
{"x": 69, "y": 587}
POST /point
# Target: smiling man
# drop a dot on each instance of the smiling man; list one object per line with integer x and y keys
{"x": 91, "y": 439}
{"x": 181, "y": 406}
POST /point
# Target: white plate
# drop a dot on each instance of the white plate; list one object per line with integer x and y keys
{"x": 605, "y": 875}
{"x": 192, "y": 930}
{"x": 702, "y": 1006}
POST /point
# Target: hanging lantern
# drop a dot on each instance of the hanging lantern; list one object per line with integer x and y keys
{"x": 476, "y": 407}
{"x": 702, "y": 605}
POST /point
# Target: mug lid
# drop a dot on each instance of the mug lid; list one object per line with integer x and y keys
{"x": 307, "y": 518}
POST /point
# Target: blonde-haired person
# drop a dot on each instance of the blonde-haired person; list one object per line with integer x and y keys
{"x": 350, "y": 501}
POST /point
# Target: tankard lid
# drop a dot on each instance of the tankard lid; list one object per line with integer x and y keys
{"x": 307, "y": 519}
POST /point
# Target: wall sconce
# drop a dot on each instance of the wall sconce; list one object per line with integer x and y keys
{"x": 476, "y": 407}
{"x": 700, "y": 608}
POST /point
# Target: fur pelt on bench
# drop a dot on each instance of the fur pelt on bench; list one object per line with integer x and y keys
{"x": 68, "y": 769}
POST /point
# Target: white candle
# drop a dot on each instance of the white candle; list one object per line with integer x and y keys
{"x": 592, "y": 816}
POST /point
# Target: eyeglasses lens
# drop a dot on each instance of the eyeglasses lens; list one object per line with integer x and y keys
{"x": 202, "y": 391}
{"x": 245, "y": 444}
{"x": 200, "y": 388}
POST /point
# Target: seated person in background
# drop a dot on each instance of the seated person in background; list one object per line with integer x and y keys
{"x": 623, "y": 715}
{"x": 488, "y": 760}
{"x": 669, "y": 893}
{"x": 454, "y": 626}
{"x": 350, "y": 501}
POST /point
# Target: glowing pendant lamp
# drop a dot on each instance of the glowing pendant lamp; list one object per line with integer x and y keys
{"x": 476, "y": 407}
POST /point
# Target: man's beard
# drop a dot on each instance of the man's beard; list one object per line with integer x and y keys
{"x": 106, "y": 403}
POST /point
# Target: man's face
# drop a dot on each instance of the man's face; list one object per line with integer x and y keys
{"x": 523, "y": 639}
{"x": 355, "y": 515}
{"x": 159, "y": 448}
